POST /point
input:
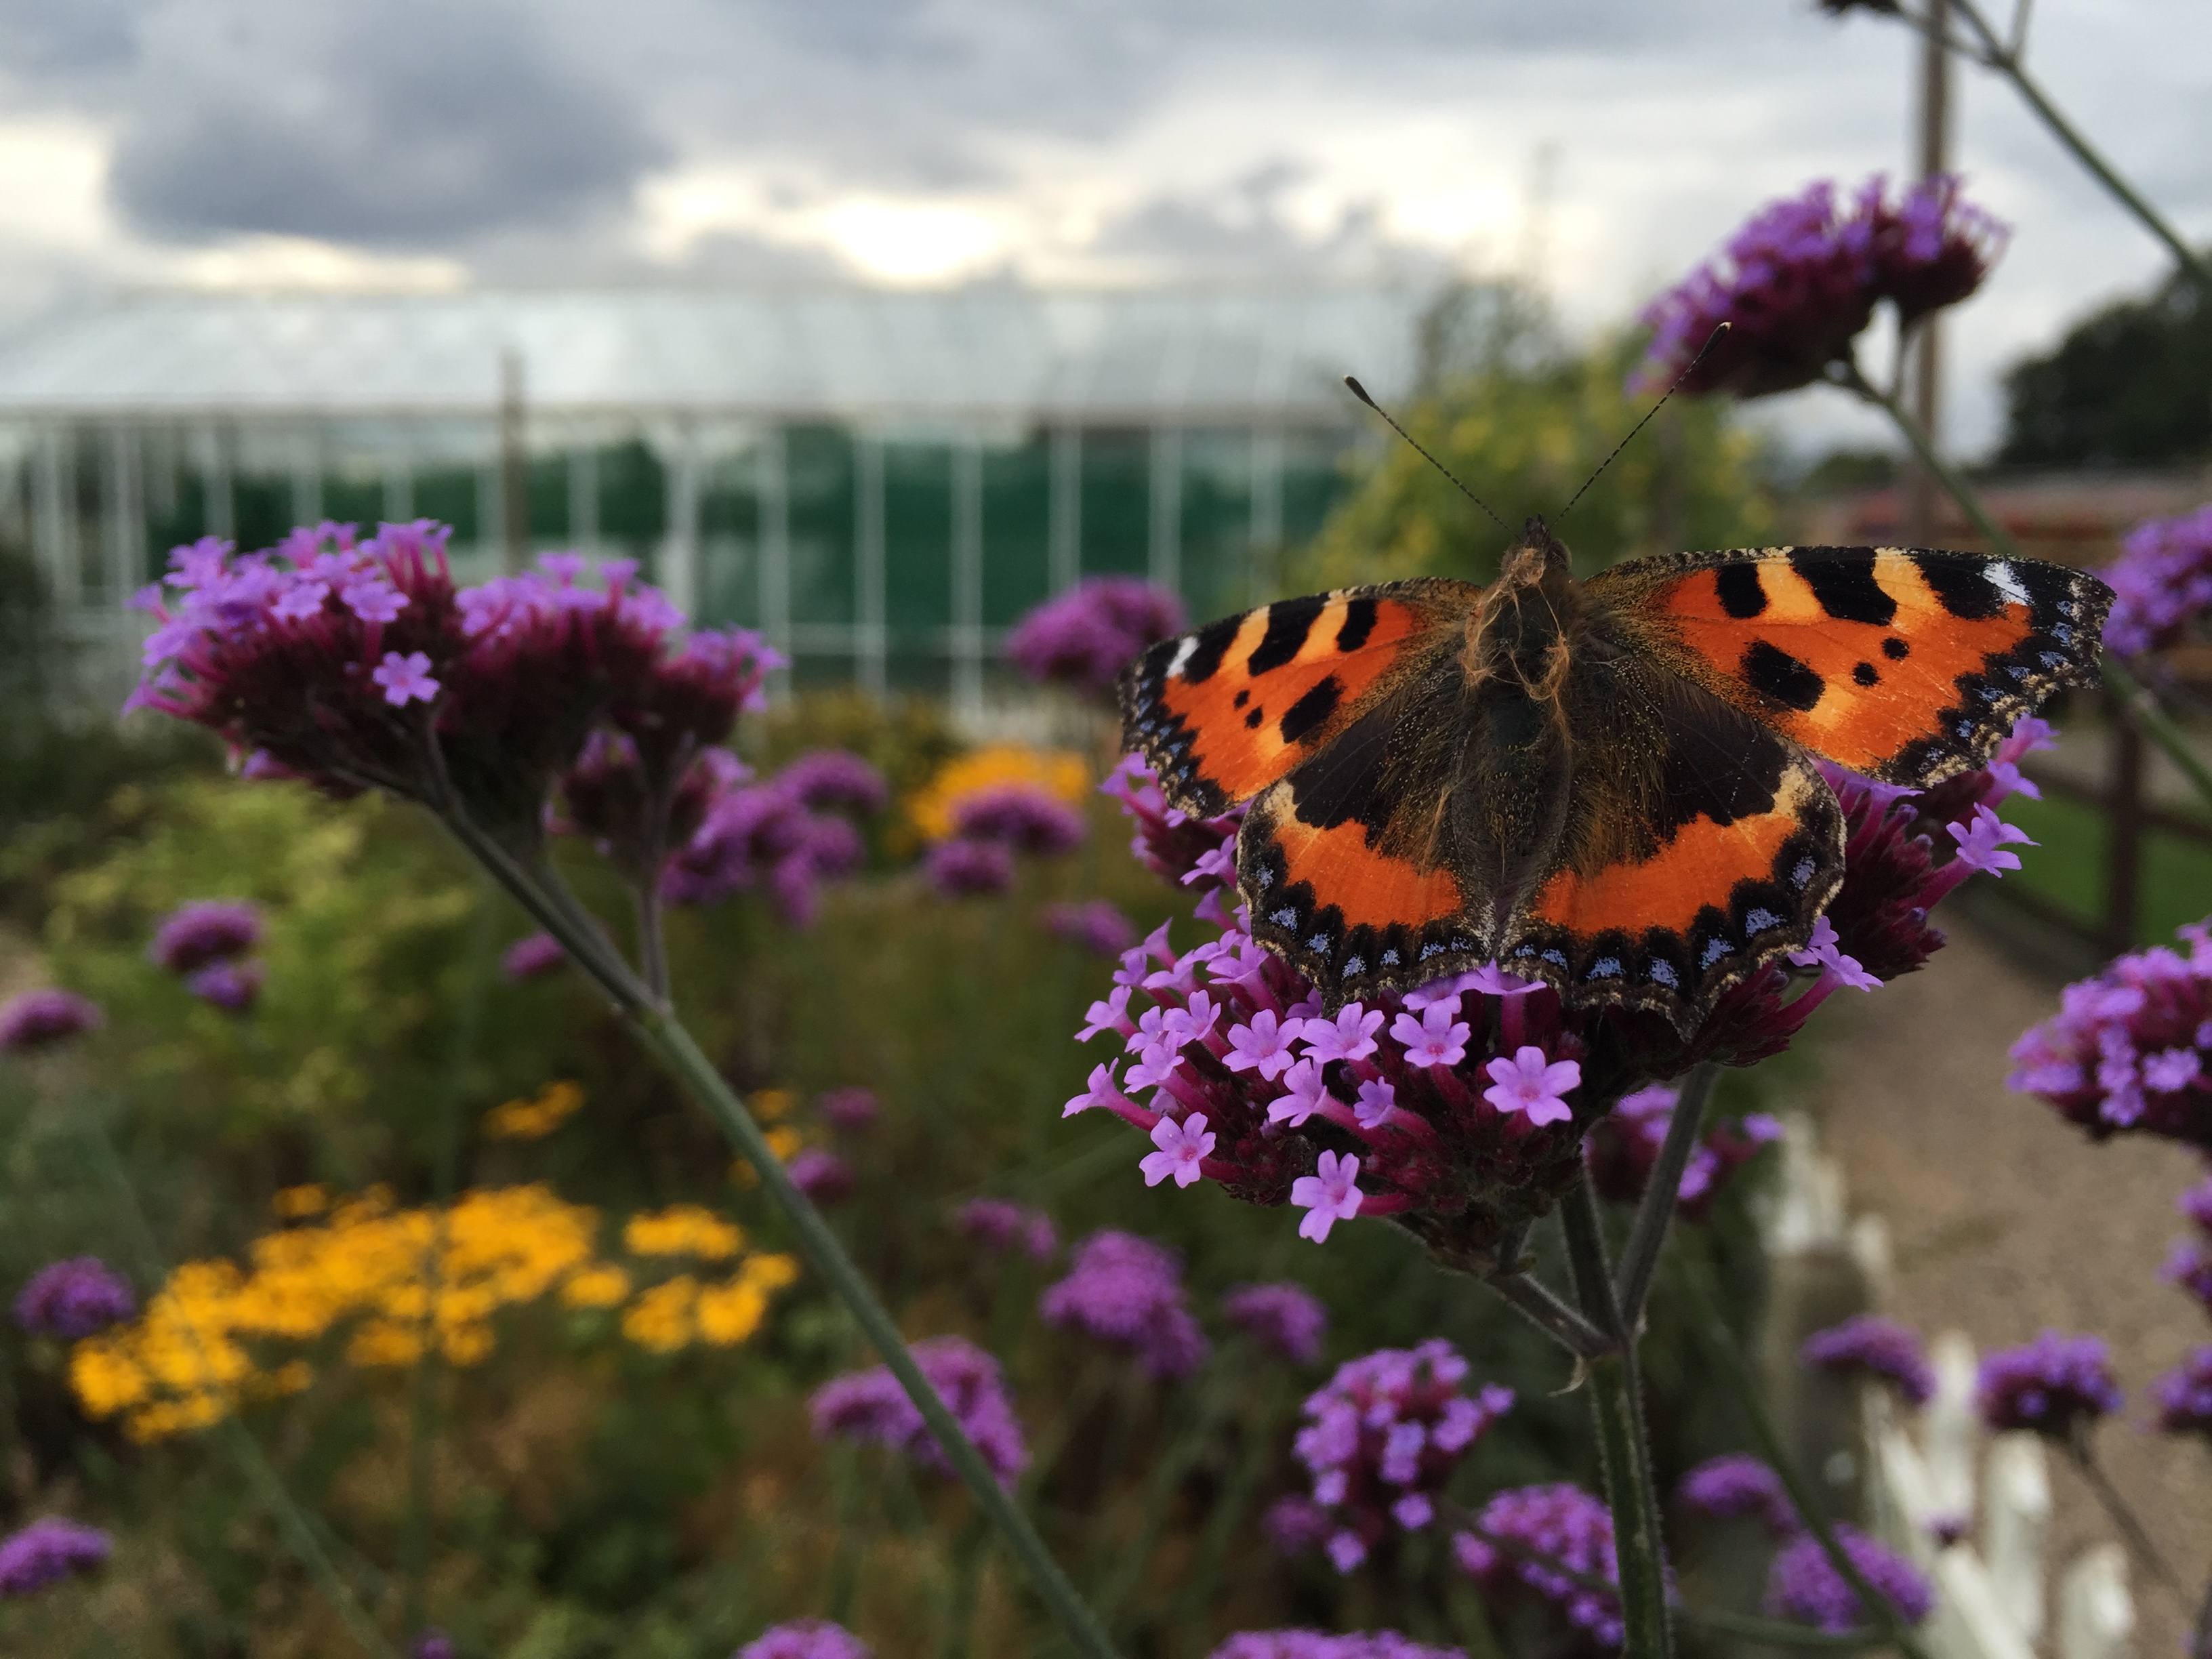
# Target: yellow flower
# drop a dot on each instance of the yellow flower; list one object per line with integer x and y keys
{"x": 661, "y": 1318}
{"x": 771, "y": 1105}
{"x": 1056, "y": 771}
{"x": 532, "y": 1120}
{"x": 728, "y": 1314}
{"x": 683, "y": 1230}
{"x": 595, "y": 1287}
{"x": 297, "y": 1203}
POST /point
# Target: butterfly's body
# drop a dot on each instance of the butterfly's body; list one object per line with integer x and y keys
{"x": 1607, "y": 784}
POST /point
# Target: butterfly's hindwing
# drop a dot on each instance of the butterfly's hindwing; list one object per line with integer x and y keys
{"x": 1906, "y": 664}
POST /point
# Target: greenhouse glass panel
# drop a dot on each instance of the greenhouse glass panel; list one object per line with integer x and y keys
{"x": 1116, "y": 511}
{"x": 1016, "y": 530}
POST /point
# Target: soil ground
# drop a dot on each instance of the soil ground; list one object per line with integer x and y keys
{"x": 2005, "y": 1220}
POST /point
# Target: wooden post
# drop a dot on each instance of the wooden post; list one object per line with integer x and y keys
{"x": 2123, "y": 831}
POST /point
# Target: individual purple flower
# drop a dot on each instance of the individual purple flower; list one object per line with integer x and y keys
{"x": 1798, "y": 282}
{"x": 1181, "y": 1149}
{"x": 39, "y": 1019}
{"x": 1319, "y": 1644}
{"x": 960, "y": 869}
{"x": 870, "y": 1405}
{"x": 1294, "y": 1523}
{"x": 1624, "y": 1147}
{"x": 1384, "y": 1435}
{"x": 233, "y": 987}
{"x": 1083, "y": 638}
{"x": 1867, "y": 1345}
{"x": 1098, "y": 926}
{"x": 850, "y": 1111}
{"x": 2162, "y": 581}
{"x": 203, "y": 931}
{"x": 1802, "y": 1584}
{"x": 1128, "y": 1292}
{"x": 1020, "y": 816}
{"x": 48, "y": 1551}
{"x": 1982, "y": 842}
{"x": 405, "y": 679}
{"x": 822, "y": 1176}
{"x": 431, "y": 1643}
{"x": 2126, "y": 1049}
{"x": 1532, "y": 1083}
{"x": 531, "y": 957}
{"x": 74, "y": 1297}
{"x": 1564, "y": 1523}
{"x": 1330, "y": 1195}
{"x": 1000, "y": 1226}
{"x": 2056, "y": 1386}
{"x": 1739, "y": 1487}
{"x": 1288, "y": 1318}
{"x": 806, "y": 1638}
{"x": 2184, "y": 1395}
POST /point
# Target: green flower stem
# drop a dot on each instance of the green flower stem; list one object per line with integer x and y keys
{"x": 1662, "y": 1192}
{"x": 2134, "y": 698}
{"x": 2122, "y": 1516}
{"x": 2004, "y": 59}
{"x": 1720, "y": 1345}
{"x": 673, "y": 1045}
{"x": 1616, "y": 1390}
{"x": 291, "y": 1520}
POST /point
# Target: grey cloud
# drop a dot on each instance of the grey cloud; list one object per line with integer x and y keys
{"x": 406, "y": 122}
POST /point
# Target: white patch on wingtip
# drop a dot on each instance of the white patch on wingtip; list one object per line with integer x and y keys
{"x": 1182, "y": 654}
{"x": 2006, "y": 581}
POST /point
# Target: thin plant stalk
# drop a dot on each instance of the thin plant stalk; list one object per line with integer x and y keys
{"x": 1721, "y": 1348}
{"x": 2122, "y": 1516}
{"x": 1616, "y": 1388}
{"x": 541, "y": 893}
{"x": 2135, "y": 700}
{"x": 292, "y": 1520}
{"x": 1662, "y": 1193}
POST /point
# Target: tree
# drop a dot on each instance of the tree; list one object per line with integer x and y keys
{"x": 2131, "y": 386}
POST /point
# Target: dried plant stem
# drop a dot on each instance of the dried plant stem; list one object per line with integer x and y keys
{"x": 1720, "y": 1346}
{"x": 2137, "y": 702}
{"x": 2122, "y": 1516}
{"x": 1616, "y": 1390}
{"x": 1640, "y": 1255}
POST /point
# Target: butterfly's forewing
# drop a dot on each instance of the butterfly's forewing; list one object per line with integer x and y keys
{"x": 1221, "y": 713}
{"x": 1906, "y": 665}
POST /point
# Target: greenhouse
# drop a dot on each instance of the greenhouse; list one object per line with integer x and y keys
{"x": 880, "y": 482}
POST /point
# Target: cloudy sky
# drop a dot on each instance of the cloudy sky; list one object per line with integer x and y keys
{"x": 1601, "y": 146}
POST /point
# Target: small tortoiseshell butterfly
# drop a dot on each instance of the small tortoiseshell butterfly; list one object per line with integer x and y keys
{"x": 1606, "y": 784}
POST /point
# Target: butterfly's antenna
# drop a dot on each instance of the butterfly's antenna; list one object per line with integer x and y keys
{"x": 1711, "y": 341}
{"x": 1360, "y": 392}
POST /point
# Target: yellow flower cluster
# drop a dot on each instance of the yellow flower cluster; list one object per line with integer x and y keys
{"x": 771, "y": 1107}
{"x": 1056, "y": 771}
{"x": 534, "y": 1119}
{"x": 403, "y": 1281}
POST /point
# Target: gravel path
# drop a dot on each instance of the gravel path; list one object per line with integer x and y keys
{"x": 2004, "y": 1219}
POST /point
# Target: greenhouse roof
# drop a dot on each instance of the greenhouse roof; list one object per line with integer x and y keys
{"x": 992, "y": 351}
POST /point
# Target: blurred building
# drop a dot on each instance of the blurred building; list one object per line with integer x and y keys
{"x": 880, "y": 482}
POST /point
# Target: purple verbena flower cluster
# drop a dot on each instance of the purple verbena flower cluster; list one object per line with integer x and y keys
{"x": 74, "y": 1299}
{"x": 1563, "y": 1523}
{"x": 2127, "y": 1050}
{"x": 1803, "y": 1585}
{"x": 1458, "y": 1109}
{"x": 354, "y": 665}
{"x": 1099, "y": 927}
{"x": 1001, "y": 1227}
{"x": 431, "y": 1643}
{"x": 870, "y": 1405}
{"x": 783, "y": 836}
{"x": 1625, "y": 1145}
{"x": 531, "y": 957}
{"x": 1128, "y": 1292}
{"x": 1082, "y": 639}
{"x": 1288, "y": 1318}
{"x": 968, "y": 869}
{"x": 822, "y": 1174}
{"x": 201, "y": 931}
{"x": 2056, "y": 1386}
{"x": 2190, "y": 1265}
{"x": 39, "y": 1019}
{"x": 1318, "y": 1644}
{"x": 2183, "y": 1395}
{"x": 806, "y": 1638}
{"x": 1800, "y": 279}
{"x": 48, "y": 1551}
{"x": 1021, "y": 817}
{"x": 849, "y": 1111}
{"x": 1383, "y": 1436}
{"x": 1737, "y": 1486}
{"x": 2161, "y": 582}
{"x": 1869, "y": 1344}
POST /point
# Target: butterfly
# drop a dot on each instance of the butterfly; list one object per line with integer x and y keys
{"x": 1606, "y": 784}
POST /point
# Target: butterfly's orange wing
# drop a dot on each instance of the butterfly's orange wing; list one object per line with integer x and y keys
{"x": 1906, "y": 664}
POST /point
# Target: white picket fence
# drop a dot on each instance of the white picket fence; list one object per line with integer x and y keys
{"x": 1995, "y": 1597}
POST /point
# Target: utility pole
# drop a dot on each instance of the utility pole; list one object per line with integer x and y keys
{"x": 514, "y": 464}
{"x": 1925, "y": 362}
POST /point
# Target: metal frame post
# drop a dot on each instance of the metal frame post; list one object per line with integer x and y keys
{"x": 1164, "y": 551}
{"x": 123, "y": 507}
{"x": 1064, "y": 522}
{"x": 774, "y": 459}
{"x": 968, "y": 580}
{"x": 679, "y": 550}
{"x": 868, "y": 552}
{"x": 583, "y": 499}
